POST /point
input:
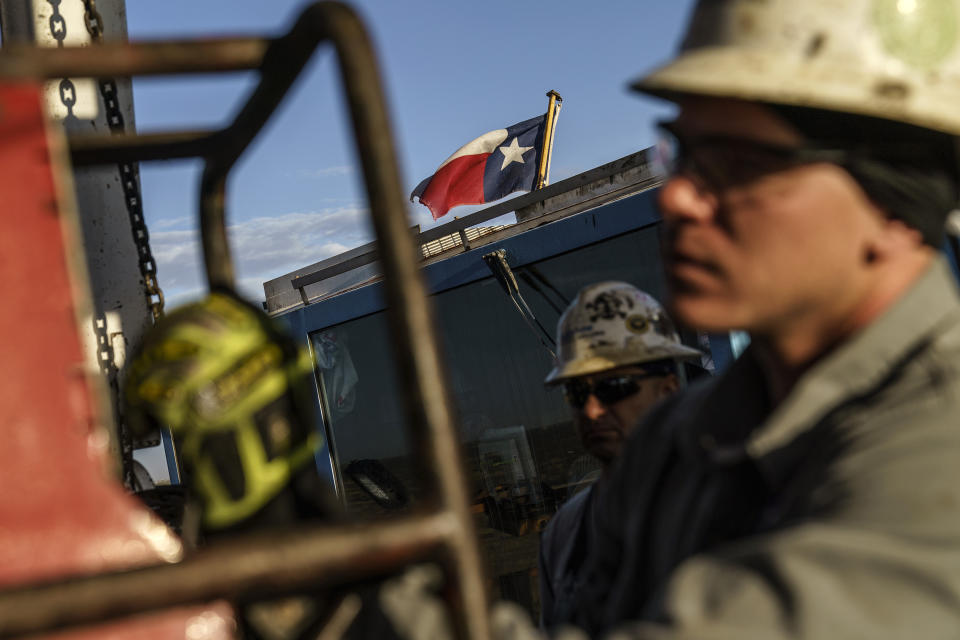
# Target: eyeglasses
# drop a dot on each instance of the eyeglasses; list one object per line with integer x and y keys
{"x": 606, "y": 390}
{"x": 722, "y": 162}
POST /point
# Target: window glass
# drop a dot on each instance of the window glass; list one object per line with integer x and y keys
{"x": 522, "y": 453}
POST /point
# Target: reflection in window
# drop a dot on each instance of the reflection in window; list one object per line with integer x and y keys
{"x": 339, "y": 373}
{"x": 522, "y": 453}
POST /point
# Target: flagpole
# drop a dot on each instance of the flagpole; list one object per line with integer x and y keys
{"x": 543, "y": 171}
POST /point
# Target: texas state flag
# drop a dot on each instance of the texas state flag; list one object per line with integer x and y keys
{"x": 486, "y": 169}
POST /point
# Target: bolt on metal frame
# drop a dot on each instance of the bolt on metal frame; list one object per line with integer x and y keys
{"x": 315, "y": 556}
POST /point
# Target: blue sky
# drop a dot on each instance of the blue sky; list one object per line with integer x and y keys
{"x": 453, "y": 70}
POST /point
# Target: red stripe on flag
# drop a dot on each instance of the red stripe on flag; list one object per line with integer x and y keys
{"x": 460, "y": 181}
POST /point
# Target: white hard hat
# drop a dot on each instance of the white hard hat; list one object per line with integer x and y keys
{"x": 893, "y": 59}
{"x": 611, "y": 325}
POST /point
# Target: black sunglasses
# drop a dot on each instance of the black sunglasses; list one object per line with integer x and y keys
{"x": 607, "y": 390}
{"x": 722, "y": 162}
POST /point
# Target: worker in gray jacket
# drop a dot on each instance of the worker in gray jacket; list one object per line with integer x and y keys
{"x": 811, "y": 491}
{"x": 618, "y": 355}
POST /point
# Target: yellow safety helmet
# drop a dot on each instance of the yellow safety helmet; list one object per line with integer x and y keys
{"x": 892, "y": 59}
{"x": 235, "y": 393}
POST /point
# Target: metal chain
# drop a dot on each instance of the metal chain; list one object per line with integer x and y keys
{"x": 58, "y": 26}
{"x": 129, "y": 173}
{"x": 129, "y": 182}
{"x": 58, "y": 31}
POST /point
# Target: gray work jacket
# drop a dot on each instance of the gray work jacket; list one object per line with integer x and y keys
{"x": 835, "y": 514}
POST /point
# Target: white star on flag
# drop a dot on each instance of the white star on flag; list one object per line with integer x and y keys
{"x": 513, "y": 153}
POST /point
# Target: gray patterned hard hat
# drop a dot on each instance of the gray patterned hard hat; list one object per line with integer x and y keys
{"x": 611, "y": 325}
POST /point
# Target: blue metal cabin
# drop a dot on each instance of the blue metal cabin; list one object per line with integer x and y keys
{"x": 524, "y": 455}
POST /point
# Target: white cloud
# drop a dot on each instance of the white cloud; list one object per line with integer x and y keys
{"x": 263, "y": 248}
{"x": 329, "y": 172}
{"x": 168, "y": 223}
{"x": 267, "y": 247}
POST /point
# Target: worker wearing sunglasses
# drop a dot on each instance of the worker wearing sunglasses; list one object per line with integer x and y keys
{"x": 618, "y": 357}
{"x": 607, "y": 405}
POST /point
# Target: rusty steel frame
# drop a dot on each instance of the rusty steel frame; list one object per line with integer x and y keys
{"x": 244, "y": 570}
{"x": 318, "y": 556}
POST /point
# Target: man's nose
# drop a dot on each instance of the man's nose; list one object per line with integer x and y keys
{"x": 682, "y": 198}
{"x": 594, "y": 409}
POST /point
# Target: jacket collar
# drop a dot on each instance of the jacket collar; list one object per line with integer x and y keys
{"x": 732, "y": 419}
{"x": 864, "y": 360}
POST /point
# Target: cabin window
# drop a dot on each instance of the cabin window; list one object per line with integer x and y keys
{"x": 522, "y": 453}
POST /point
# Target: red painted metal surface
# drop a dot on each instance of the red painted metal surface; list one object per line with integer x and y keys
{"x": 61, "y": 512}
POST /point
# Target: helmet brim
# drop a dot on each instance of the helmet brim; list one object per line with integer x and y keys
{"x": 599, "y": 364}
{"x": 923, "y": 100}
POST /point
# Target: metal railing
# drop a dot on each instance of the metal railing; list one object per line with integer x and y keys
{"x": 313, "y": 557}
{"x": 367, "y": 254}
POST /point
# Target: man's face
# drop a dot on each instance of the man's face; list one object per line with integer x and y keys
{"x": 604, "y": 426}
{"x": 787, "y": 246}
